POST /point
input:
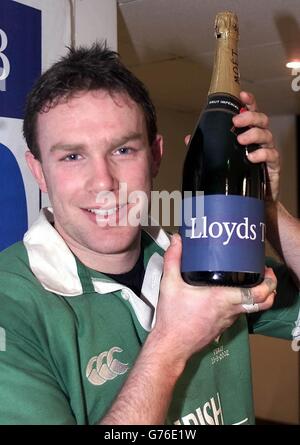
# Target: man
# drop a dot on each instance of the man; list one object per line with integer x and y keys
{"x": 94, "y": 335}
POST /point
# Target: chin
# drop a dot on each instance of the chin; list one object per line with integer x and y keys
{"x": 115, "y": 242}
{"x": 108, "y": 248}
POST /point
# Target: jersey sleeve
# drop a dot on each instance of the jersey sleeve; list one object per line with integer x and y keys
{"x": 29, "y": 390}
{"x": 282, "y": 320}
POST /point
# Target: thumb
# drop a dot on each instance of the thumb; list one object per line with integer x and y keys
{"x": 172, "y": 258}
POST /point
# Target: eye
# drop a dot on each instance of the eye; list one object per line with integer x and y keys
{"x": 123, "y": 151}
{"x": 72, "y": 157}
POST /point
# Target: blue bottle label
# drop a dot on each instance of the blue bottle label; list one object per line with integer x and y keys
{"x": 222, "y": 233}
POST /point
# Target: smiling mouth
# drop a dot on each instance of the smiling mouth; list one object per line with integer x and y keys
{"x": 105, "y": 213}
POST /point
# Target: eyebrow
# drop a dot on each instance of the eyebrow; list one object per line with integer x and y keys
{"x": 66, "y": 147}
{"x": 130, "y": 137}
{"x": 79, "y": 147}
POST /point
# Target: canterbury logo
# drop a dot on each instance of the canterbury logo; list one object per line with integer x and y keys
{"x": 104, "y": 367}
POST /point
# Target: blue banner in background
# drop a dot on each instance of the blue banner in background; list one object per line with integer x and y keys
{"x": 20, "y": 56}
{"x": 12, "y": 200}
{"x": 20, "y": 66}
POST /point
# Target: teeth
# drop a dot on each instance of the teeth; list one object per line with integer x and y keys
{"x": 104, "y": 212}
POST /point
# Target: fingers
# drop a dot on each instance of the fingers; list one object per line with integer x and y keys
{"x": 259, "y": 134}
{"x": 246, "y": 296}
{"x": 260, "y": 297}
{"x": 268, "y": 303}
{"x": 269, "y": 155}
{"x": 255, "y": 135}
{"x": 172, "y": 258}
{"x": 268, "y": 286}
{"x": 257, "y": 123}
{"x": 251, "y": 118}
{"x": 187, "y": 139}
{"x": 248, "y": 99}
{"x": 263, "y": 306}
{"x": 255, "y": 294}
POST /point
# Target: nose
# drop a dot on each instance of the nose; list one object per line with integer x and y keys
{"x": 100, "y": 177}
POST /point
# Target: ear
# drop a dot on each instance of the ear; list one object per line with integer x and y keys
{"x": 36, "y": 169}
{"x": 157, "y": 153}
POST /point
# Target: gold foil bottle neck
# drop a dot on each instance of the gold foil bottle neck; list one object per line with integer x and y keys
{"x": 226, "y": 24}
{"x": 225, "y": 76}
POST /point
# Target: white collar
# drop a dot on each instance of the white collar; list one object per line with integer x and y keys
{"x": 53, "y": 263}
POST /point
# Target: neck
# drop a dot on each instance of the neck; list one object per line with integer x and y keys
{"x": 114, "y": 263}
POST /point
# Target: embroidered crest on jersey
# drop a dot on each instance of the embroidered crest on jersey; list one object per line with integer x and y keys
{"x": 104, "y": 366}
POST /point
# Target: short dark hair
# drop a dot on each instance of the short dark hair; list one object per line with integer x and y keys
{"x": 84, "y": 69}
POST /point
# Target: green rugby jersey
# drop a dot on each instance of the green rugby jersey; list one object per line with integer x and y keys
{"x": 72, "y": 335}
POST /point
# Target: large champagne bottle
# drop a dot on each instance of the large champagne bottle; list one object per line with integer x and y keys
{"x": 223, "y": 227}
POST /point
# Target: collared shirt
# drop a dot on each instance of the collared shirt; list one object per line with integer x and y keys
{"x": 73, "y": 334}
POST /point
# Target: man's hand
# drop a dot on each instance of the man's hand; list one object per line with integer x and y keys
{"x": 259, "y": 134}
{"x": 190, "y": 317}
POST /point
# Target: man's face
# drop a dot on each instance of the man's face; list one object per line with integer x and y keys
{"x": 90, "y": 145}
